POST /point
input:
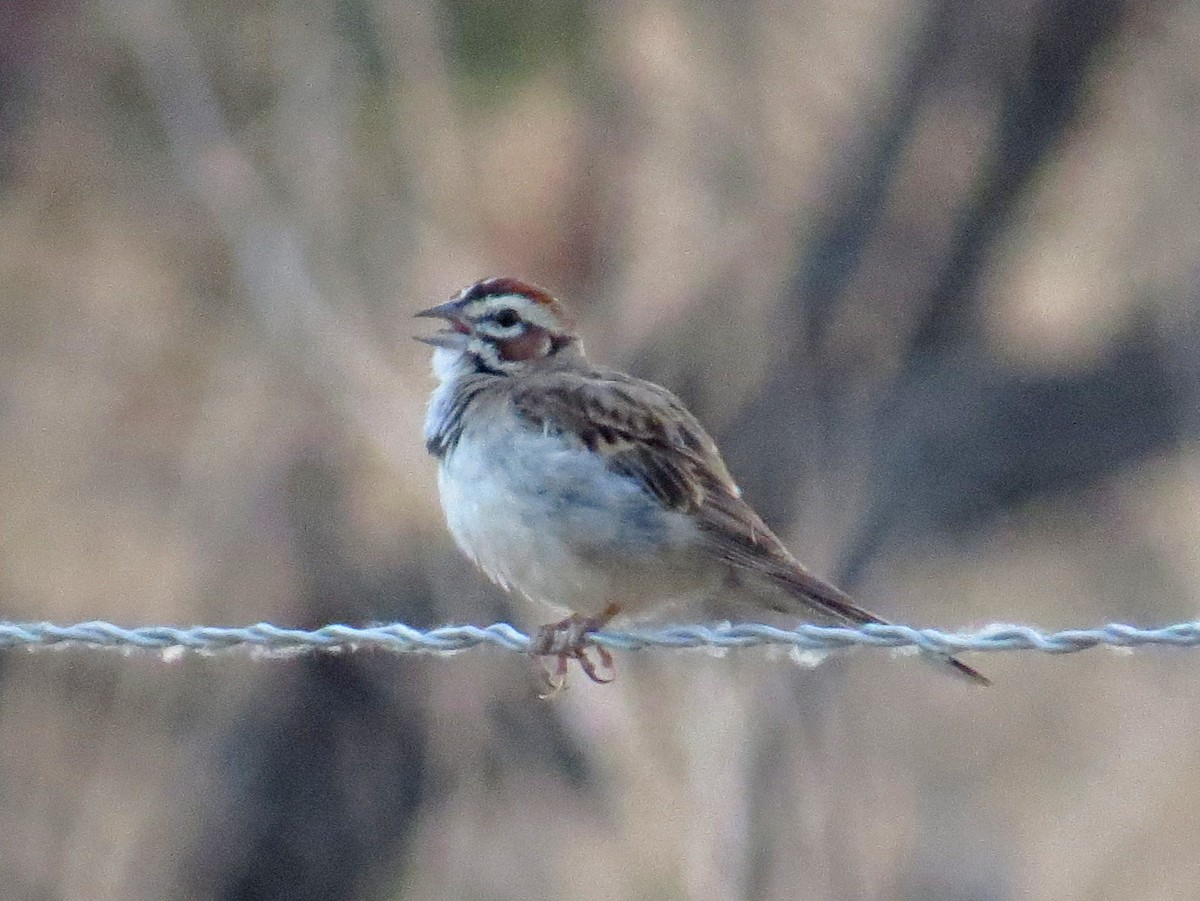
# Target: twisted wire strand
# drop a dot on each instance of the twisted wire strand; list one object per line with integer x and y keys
{"x": 400, "y": 638}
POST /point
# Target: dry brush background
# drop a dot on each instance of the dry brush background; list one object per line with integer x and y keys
{"x": 928, "y": 270}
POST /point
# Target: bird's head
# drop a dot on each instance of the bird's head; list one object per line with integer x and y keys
{"x": 502, "y": 325}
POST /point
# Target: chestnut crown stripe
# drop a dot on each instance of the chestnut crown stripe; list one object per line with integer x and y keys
{"x": 490, "y": 287}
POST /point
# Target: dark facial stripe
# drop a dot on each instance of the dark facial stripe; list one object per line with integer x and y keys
{"x": 450, "y": 429}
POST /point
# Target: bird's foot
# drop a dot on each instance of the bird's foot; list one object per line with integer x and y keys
{"x": 568, "y": 640}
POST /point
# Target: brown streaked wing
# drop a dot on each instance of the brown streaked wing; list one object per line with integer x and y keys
{"x": 646, "y": 434}
{"x": 643, "y": 431}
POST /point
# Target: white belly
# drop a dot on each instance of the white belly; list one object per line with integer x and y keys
{"x": 552, "y": 523}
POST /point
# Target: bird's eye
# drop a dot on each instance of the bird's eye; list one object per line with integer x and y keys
{"x": 507, "y": 318}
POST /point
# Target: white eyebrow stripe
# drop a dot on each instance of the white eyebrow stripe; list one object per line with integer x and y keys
{"x": 500, "y": 331}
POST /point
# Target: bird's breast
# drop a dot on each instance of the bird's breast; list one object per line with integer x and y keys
{"x": 545, "y": 517}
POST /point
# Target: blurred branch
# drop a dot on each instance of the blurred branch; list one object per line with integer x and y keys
{"x": 1037, "y": 110}
{"x": 269, "y": 259}
{"x": 947, "y": 399}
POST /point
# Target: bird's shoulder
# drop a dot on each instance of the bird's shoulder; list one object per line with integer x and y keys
{"x": 642, "y": 430}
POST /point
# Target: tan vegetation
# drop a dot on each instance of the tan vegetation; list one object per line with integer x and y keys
{"x": 978, "y": 310}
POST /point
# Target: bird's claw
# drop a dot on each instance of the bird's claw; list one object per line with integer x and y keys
{"x": 565, "y": 641}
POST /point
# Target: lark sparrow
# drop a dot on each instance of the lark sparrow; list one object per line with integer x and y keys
{"x": 588, "y": 489}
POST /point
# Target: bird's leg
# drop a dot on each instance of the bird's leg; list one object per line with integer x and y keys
{"x": 567, "y": 640}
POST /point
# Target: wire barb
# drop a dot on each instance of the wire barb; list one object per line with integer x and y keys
{"x": 265, "y": 638}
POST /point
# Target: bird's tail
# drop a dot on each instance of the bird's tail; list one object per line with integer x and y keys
{"x": 831, "y": 601}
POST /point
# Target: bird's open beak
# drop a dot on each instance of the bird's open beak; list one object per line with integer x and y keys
{"x": 450, "y": 310}
{"x": 454, "y": 337}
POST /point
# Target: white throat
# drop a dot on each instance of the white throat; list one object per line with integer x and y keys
{"x": 450, "y": 363}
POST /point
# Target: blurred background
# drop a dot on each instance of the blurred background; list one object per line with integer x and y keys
{"x": 929, "y": 271}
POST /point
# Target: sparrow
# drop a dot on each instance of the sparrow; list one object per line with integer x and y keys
{"x": 591, "y": 490}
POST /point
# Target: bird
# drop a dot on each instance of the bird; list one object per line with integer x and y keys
{"x": 590, "y": 490}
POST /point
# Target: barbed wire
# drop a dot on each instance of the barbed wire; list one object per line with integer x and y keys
{"x": 264, "y": 638}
